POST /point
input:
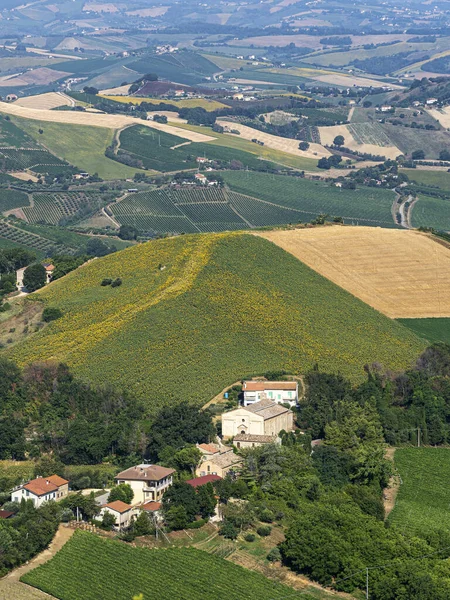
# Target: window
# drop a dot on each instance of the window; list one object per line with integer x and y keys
{"x": 209, "y": 468}
{"x": 279, "y": 396}
{"x": 270, "y": 394}
{"x": 243, "y": 432}
{"x": 290, "y": 394}
{"x": 243, "y": 420}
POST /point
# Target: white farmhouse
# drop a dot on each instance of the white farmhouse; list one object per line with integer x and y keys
{"x": 148, "y": 482}
{"x": 282, "y": 392}
{"x": 121, "y": 511}
{"x": 42, "y": 489}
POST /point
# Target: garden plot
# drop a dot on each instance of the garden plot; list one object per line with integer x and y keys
{"x": 361, "y": 137}
{"x": 403, "y": 274}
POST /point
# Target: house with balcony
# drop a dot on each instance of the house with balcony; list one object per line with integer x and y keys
{"x": 148, "y": 482}
{"x": 281, "y": 392}
{"x": 42, "y": 489}
{"x": 121, "y": 511}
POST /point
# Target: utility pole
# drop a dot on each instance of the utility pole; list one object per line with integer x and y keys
{"x": 418, "y": 437}
{"x": 367, "y": 583}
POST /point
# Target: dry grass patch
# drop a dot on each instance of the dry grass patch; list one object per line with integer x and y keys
{"x": 44, "y": 101}
{"x": 403, "y": 274}
{"x": 276, "y": 142}
{"x": 327, "y": 135}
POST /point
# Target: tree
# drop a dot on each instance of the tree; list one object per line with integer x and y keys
{"x": 108, "y": 521}
{"x": 418, "y": 155}
{"x": 444, "y": 155}
{"x": 127, "y": 232}
{"x": 206, "y": 500}
{"x": 181, "y": 494}
{"x": 339, "y": 140}
{"x": 143, "y": 525}
{"x": 228, "y": 530}
{"x": 34, "y": 277}
{"x": 122, "y": 492}
{"x": 176, "y": 518}
{"x": 303, "y": 146}
{"x": 96, "y": 247}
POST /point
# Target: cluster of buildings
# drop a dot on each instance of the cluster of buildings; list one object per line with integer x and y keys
{"x": 264, "y": 414}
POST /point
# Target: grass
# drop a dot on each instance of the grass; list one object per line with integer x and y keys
{"x": 313, "y": 197}
{"x": 89, "y": 567}
{"x": 440, "y": 179}
{"x": 226, "y": 306}
{"x": 422, "y": 502}
{"x": 431, "y": 212}
{"x": 156, "y": 150}
{"x": 80, "y": 145}
{"x": 276, "y": 156}
{"x": 208, "y": 105}
{"x": 408, "y": 139}
{"x": 433, "y": 330}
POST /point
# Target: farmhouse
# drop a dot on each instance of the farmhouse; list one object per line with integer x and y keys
{"x": 11, "y": 98}
{"x": 200, "y": 178}
{"x": 121, "y": 511}
{"x": 278, "y": 391}
{"x": 220, "y": 463}
{"x": 265, "y": 417}
{"x": 153, "y": 509}
{"x": 42, "y": 489}
{"x": 49, "y": 268}
{"x": 203, "y": 480}
{"x": 148, "y": 482}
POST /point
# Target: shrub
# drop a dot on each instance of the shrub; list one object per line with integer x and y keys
{"x": 266, "y": 516}
{"x": 116, "y": 282}
{"x": 106, "y": 281}
{"x": 249, "y": 537}
{"x": 264, "y": 530}
{"x": 228, "y": 530}
{"x": 274, "y": 555}
{"x": 51, "y": 314}
{"x": 196, "y": 524}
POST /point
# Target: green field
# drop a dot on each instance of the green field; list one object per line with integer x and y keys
{"x": 183, "y": 67}
{"x": 433, "y": 330}
{"x": 431, "y": 212}
{"x": 91, "y": 568}
{"x": 440, "y": 179}
{"x": 422, "y": 502}
{"x": 156, "y": 150}
{"x": 14, "y": 235}
{"x": 226, "y": 306}
{"x": 52, "y": 207}
{"x": 363, "y": 206}
{"x": 80, "y": 145}
{"x": 10, "y": 199}
{"x": 199, "y": 209}
{"x": 408, "y": 139}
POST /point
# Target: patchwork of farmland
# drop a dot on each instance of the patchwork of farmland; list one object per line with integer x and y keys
{"x": 365, "y": 206}
{"x": 165, "y": 152}
{"x": 52, "y": 207}
{"x": 166, "y": 334}
{"x": 408, "y": 139}
{"x": 183, "y": 67}
{"x": 422, "y": 502}
{"x": 114, "y": 570}
{"x": 429, "y": 211}
{"x": 198, "y": 209}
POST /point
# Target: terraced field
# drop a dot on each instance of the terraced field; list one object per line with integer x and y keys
{"x": 166, "y": 335}
{"x": 431, "y": 212}
{"x": 365, "y": 206}
{"x": 165, "y": 152}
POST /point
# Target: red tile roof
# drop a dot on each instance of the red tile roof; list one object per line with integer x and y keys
{"x": 145, "y": 473}
{"x": 151, "y": 506}
{"x": 118, "y": 506}
{"x": 40, "y": 486}
{"x": 198, "y": 481}
{"x": 57, "y": 480}
{"x": 261, "y": 386}
{"x": 5, "y": 514}
{"x": 209, "y": 448}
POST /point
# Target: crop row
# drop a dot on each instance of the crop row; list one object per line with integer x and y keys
{"x": 51, "y": 208}
{"x": 25, "y": 238}
{"x": 14, "y": 160}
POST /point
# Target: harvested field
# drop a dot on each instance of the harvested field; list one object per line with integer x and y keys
{"x": 156, "y": 11}
{"x": 96, "y": 120}
{"x": 441, "y": 114}
{"x": 276, "y": 142}
{"x": 44, "y": 101}
{"x": 356, "y": 135}
{"x": 41, "y": 76}
{"x": 122, "y": 90}
{"x": 403, "y": 274}
{"x": 349, "y": 81}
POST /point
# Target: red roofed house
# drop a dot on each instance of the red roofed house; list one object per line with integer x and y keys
{"x": 148, "y": 482}
{"x": 49, "y": 268}
{"x": 121, "y": 511}
{"x": 153, "y": 509}
{"x": 199, "y": 481}
{"x": 42, "y": 489}
{"x": 6, "y": 514}
{"x": 281, "y": 392}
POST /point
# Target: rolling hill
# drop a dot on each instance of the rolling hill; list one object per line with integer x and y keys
{"x": 195, "y": 313}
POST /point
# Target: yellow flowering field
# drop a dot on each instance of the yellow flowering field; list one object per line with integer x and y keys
{"x": 224, "y": 307}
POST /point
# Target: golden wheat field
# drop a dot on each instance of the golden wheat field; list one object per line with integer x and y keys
{"x": 401, "y": 273}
